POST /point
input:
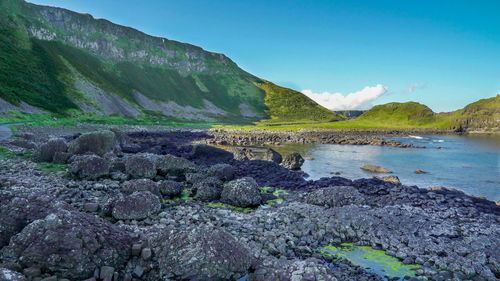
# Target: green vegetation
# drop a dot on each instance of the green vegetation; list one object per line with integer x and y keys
{"x": 186, "y": 195}
{"x": 51, "y": 167}
{"x": 230, "y": 207}
{"x": 376, "y": 261}
{"x": 286, "y": 106}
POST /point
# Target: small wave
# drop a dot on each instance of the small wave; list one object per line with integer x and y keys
{"x": 438, "y": 141}
{"x": 415, "y": 137}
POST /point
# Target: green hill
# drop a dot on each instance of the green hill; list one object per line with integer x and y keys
{"x": 404, "y": 114}
{"x": 67, "y": 63}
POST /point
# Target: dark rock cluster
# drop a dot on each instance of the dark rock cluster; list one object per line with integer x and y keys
{"x": 148, "y": 206}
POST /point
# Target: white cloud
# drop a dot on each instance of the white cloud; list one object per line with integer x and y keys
{"x": 358, "y": 100}
{"x": 415, "y": 86}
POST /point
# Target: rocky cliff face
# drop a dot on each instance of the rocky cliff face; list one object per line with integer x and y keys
{"x": 120, "y": 43}
{"x": 103, "y": 68}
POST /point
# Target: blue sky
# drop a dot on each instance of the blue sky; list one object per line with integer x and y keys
{"x": 443, "y": 53}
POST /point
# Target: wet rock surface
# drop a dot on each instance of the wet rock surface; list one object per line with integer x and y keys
{"x": 139, "y": 223}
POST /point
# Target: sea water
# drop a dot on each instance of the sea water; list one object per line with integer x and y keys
{"x": 467, "y": 163}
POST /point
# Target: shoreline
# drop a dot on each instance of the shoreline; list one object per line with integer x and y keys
{"x": 129, "y": 192}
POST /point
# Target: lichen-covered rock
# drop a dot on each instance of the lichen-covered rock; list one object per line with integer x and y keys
{"x": 293, "y": 161}
{"x": 201, "y": 253}
{"x": 132, "y": 186}
{"x": 209, "y": 189}
{"x": 19, "y": 208}
{"x": 69, "y": 245}
{"x": 46, "y": 151}
{"x": 9, "y": 275}
{"x": 272, "y": 155}
{"x": 171, "y": 189}
{"x": 141, "y": 165}
{"x": 336, "y": 196}
{"x": 223, "y": 172}
{"x": 206, "y": 154}
{"x": 393, "y": 179}
{"x": 137, "y": 206}
{"x": 61, "y": 157}
{"x": 242, "y": 154}
{"x": 169, "y": 165}
{"x": 285, "y": 270}
{"x": 376, "y": 169}
{"x": 100, "y": 143}
{"x": 193, "y": 178}
{"x": 89, "y": 167}
{"x": 242, "y": 192}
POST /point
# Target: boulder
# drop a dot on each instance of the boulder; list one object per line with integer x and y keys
{"x": 132, "y": 186}
{"x": 69, "y": 245}
{"x": 242, "y": 154}
{"x": 335, "y": 196}
{"x": 170, "y": 165}
{"x": 141, "y": 165}
{"x": 209, "y": 189}
{"x": 242, "y": 192}
{"x": 293, "y": 161}
{"x": 137, "y": 206}
{"x": 224, "y": 172}
{"x": 20, "y": 207}
{"x": 272, "y": 155}
{"x": 193, "y": 178}
{"x": 61, "y": 157}
{"x": 420, "y": 172}
{"x": 99, "y": 143}
{"x": 171, "y": 189}
{"x": 393, "y": 179}
{"x": 46, "y": 151}
{"x": 10, "y": 275}
{"x": 89, "y": 167}
{"x": 200, "y": 253}
{"x": 376, "y": 169}
{"x": 206, "y": 154}
{"x": 23, "y": 143}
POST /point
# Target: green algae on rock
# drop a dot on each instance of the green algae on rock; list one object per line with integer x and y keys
{"x": 376, "y": 261}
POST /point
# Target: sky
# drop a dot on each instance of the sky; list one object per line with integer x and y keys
{"x": 343, "y": 54}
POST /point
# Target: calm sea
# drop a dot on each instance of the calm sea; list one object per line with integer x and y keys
{"x": 467, "y": 163}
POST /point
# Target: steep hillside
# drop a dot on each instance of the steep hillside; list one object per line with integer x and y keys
{"x": 480, "y": 116}
{"x": 289, "y": 106}
{"x": 60, "y": 61}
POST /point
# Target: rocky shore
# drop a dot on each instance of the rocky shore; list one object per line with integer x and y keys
{"x": 236, "y": 137}
{"x": 150, "y": 205}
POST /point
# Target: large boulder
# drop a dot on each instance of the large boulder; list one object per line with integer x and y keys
{"x": 18, "y": 208}
{"x": 336, "y": 196}
{"x": 137, "y": 206}
{"x": 206, "y": 154}
{"x": 242, "y": 192}
{"x": 69, "y": 245}
{"x": 293, "y": 161}
{"x": 141, "y": 165}
{"x": 100, "y": 143}
{"x": 9, "y": 275}
{"x": 170, "y": 165}
{"x": 223, "y": 172}
{"x": 209, "y": 189}
{"x": 46, "y": 151}
{"x": 89, "y": 167}
{"x": 132, "y": 186}
{"x": 272, "y": 155}
{"x": 376, "y": 169}
{"x": 200, "y": 253}
{"x": 392, "y": 179}
{"x": 171, "y": 189}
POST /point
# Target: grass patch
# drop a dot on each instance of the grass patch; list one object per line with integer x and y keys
{"x": 230, "y": 207}
{"x": 52, "y": 167}
{"x": 185, "y": 195}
